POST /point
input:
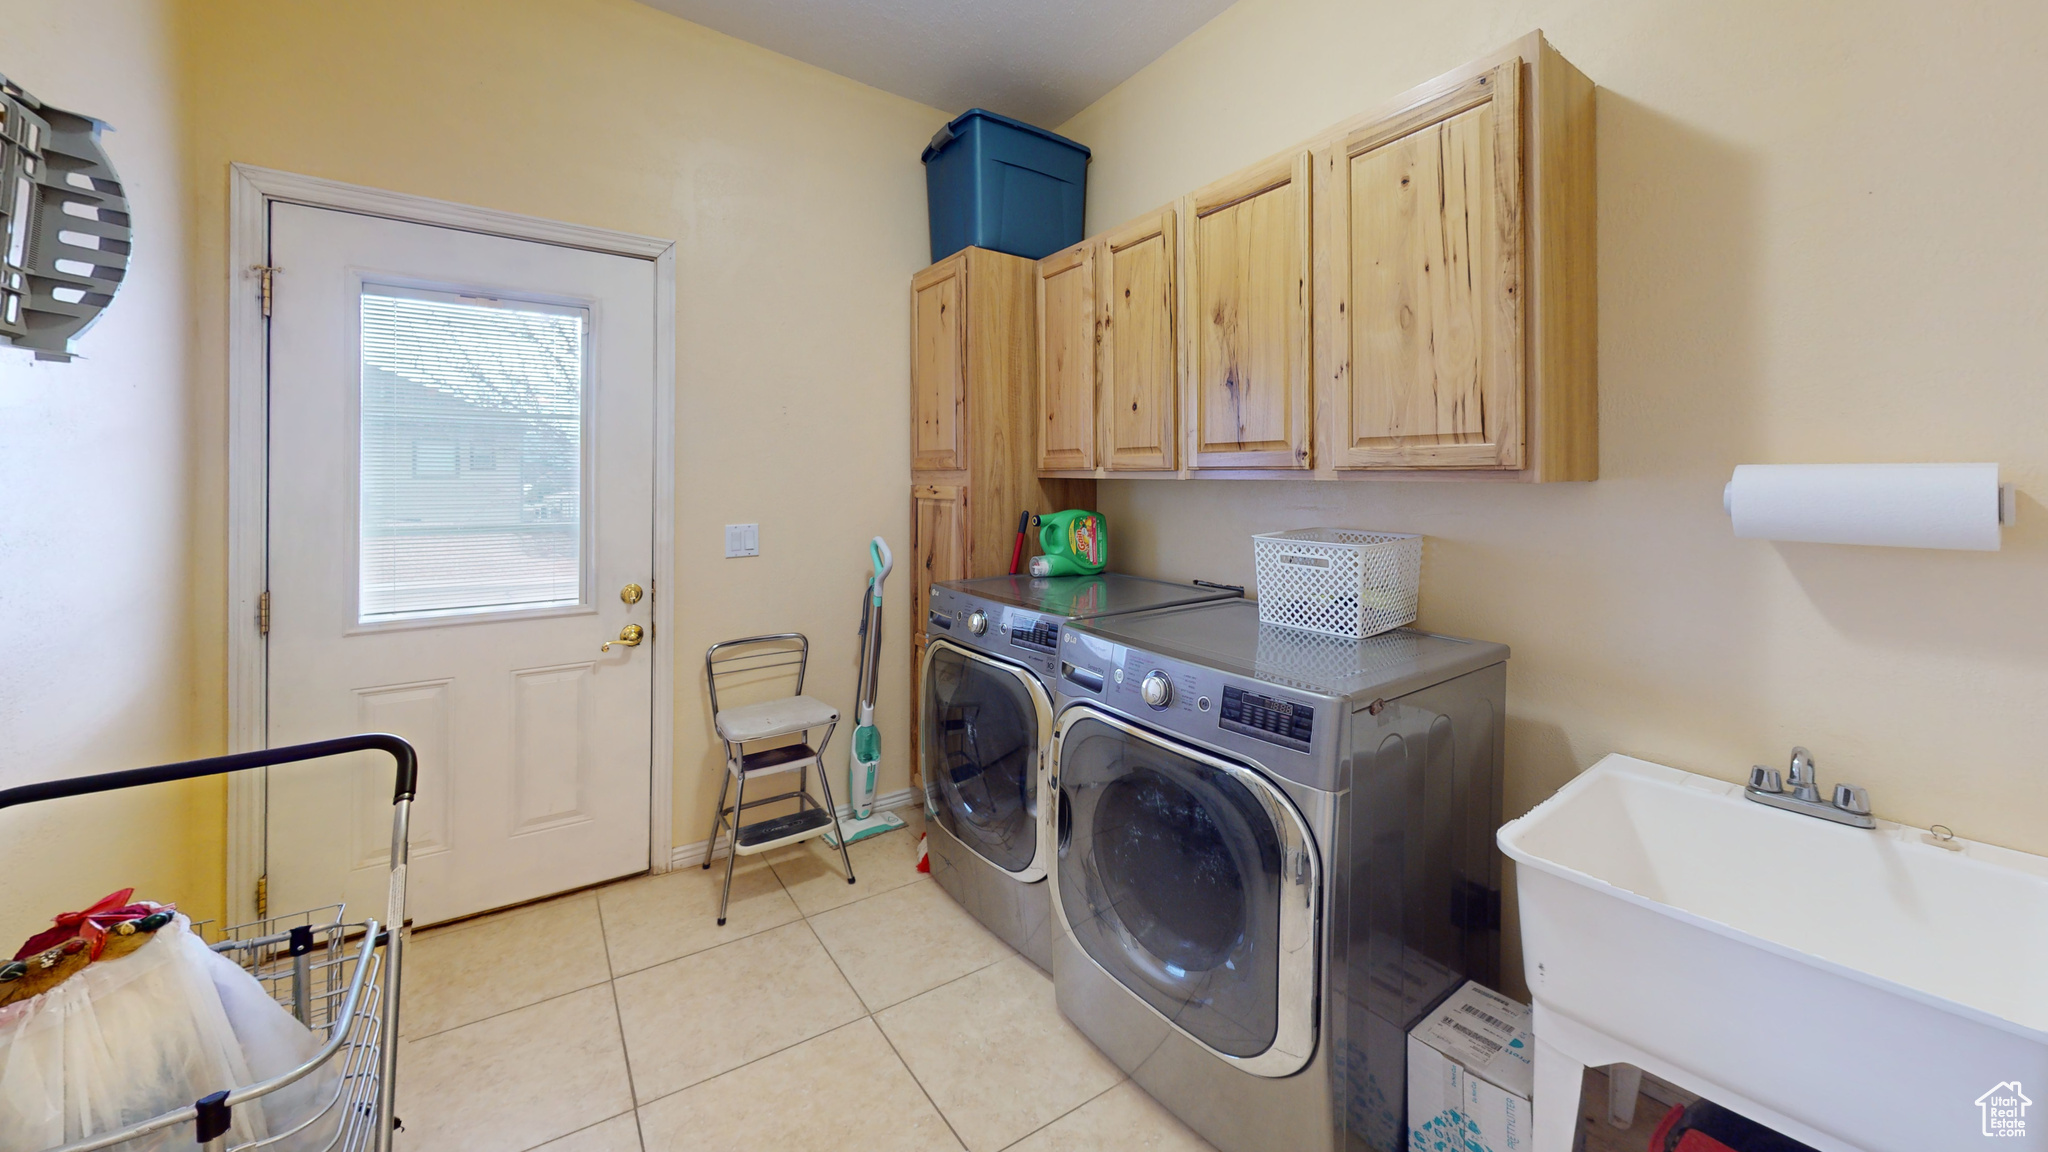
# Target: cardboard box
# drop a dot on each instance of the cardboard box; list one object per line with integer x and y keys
{"x": 1471, "y": 1072}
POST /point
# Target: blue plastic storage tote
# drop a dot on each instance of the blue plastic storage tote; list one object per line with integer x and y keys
{"x": 999, "y": 183}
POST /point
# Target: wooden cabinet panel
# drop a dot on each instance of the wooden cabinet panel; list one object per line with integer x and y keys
{"x": 1424, "y": 352}
{"x": 915, "y": 734}
{"x": 938, "y": 542}
{"x": 938, "y": 366}
{"x": 1066, "y": 359}
{"x": 1246, "y": 332}
{"x": 1140, "y": 358}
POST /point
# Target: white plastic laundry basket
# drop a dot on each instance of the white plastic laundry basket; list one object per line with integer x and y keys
{"x": 1338, "y": 581}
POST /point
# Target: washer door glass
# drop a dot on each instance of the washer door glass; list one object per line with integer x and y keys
{"x": 1171, "y": 878}
{"x": 981, "y": 742}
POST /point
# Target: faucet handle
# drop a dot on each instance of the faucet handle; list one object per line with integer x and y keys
{"x": 1852, "y": 799}
{"x": 1762, "y": 779}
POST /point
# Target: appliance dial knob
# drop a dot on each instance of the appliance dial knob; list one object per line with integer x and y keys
{"x": 1156, "y": 689}
{"x": 977, "y": 621}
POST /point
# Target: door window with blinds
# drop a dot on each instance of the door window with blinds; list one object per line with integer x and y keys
{"x": 472, "y": 460}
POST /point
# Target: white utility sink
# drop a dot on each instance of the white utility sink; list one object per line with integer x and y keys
{"x": 1858, "y": 990}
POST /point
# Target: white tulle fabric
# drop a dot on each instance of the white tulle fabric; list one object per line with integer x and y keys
{"x": 155, "y": 1030}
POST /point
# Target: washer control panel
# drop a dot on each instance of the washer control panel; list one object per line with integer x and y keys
{"x": 1267, "y": 723}
{"x": 1282, "y": 722}
{"x": 1156, "y": 688}
{"x": 1034, "y": 632}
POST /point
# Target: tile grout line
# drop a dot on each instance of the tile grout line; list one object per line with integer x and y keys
{"x": 907, "y": 1069}
{"x": 866, "y": 1012}
{"x": 757, "y": 1060}
{"x": 619, "y": 1018}
{"x": 416, "y": 1037}
{"x": 579, "y": 1131}
{"x": 613, "y": 974}
{"x": 942, "y": 984}
{"x": 922, "y": 1090}
{"x": 873, "y": 1013}
{"x": 1121, "y": 1080}
{"x": 610, "y": 980}
{"x": 884, "y": 1032}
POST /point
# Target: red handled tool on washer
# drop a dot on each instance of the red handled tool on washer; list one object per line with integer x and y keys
{"x": 1017, "y": 552}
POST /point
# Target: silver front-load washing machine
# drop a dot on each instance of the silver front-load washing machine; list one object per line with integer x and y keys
{"x": 1274, "y": 853}
{"x": 985, "y": 716}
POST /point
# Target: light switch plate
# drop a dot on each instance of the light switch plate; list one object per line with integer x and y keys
{"x": 742, "y": 540}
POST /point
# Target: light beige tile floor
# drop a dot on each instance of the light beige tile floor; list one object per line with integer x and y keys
{"x": 875, "y": 1015}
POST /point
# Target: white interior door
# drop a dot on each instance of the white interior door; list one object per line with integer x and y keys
{"x": 461, "y": 488}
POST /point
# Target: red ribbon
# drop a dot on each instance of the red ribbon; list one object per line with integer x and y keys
{"x": 90, "y": 924}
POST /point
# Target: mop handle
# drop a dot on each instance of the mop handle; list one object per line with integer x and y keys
{"x": 871, "y": 647}
{"x": 884, "y": 560}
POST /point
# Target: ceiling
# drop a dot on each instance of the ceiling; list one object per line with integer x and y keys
{"x": 1038, "y": 60}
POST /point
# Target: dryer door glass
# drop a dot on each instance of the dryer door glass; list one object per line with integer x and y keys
{"x": 981, "y": 742}
{"x": 1171, "y": 876}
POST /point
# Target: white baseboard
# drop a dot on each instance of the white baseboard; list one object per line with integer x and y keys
{"x": 688, "y": 855}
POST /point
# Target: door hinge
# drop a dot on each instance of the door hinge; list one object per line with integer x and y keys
{"x": 263, "y": 613}
{"x": 263, "y": 896}
{"x": 267, "y": 272}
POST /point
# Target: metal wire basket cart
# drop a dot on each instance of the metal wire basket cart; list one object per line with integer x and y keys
{"x": 338, "y": 977}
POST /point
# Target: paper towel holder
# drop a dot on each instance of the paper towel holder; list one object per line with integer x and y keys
{"x": 1947, "y": 506}
{"x": 2008, "y": 503}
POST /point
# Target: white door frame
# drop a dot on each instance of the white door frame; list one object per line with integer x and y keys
{"x": 253, "y": 191}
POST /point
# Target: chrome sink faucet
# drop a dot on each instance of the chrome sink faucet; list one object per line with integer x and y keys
{"x": 1851, "y": 804}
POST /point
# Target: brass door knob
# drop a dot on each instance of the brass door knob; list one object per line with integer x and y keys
{"x": 629, "y": 637}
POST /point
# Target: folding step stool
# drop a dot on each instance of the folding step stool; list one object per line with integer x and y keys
{"x": 780, "y": 718}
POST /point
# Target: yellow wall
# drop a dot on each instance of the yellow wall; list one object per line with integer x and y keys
{"x": 1820, "y": 240}
{"x": 95, "y": 520}
{"x": 797, "y": 203}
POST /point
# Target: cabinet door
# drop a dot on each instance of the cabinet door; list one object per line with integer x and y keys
{"x": 1066, "y": 359}
{"x": 938, "y": 366}
{"x": 1247, "y": 324}
{"x": 1421, "y": 244}
{"x": 1140, "y": 360}
{"x": 938, "y": 543}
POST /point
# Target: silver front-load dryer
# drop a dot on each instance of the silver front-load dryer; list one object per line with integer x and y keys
{"x": 985, "y": 720}
{"x": 1273, "y": 854}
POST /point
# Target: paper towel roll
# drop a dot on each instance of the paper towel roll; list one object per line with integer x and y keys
{"x": 1898, "y": 505}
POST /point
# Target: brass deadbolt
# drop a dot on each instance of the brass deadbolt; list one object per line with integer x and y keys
{"x": 632, "y": 593}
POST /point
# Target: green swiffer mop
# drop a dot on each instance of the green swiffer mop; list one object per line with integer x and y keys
{"x": 866, "y": 754}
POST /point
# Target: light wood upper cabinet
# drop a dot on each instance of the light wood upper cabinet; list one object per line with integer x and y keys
{"x": 1423, "y": 225}
{"x": 1246, "y": 336}
{"x": 1411, "y": 293}
{"x": 938, "y": 366}
{"x": 1140, "y": 357}
{"x": 1455, "y": 292}
{"x": 1066, "y": 359}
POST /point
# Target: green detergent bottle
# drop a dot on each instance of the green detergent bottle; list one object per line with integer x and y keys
{"x": 1076, "y": 543}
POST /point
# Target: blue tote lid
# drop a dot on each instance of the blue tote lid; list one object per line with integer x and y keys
{"x": 946, "y": 135}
